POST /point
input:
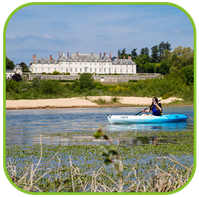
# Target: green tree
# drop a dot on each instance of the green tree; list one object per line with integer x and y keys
{"x": 149, "y": 67}
{"x": 140, "y": 61}
{"x": 134, "y": 53}
{"x": 144, "y": 51}
{"x": 185, "y": 54}
{"x": 188, "y": 71}
{"x": 9, "y": 64}
{"x": 162, "y": 47}
{"x": 154, "y": 54}
{"x": 24, "y": 67}
{"x": 119, "y": 53}
{"x": 86, "y": 81}
{"x": 123, "y": 52}
{"x": 162, "y": 68}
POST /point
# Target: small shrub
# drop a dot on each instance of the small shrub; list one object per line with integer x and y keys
{"x": 56, "y": 73}
{"x": 16, "y": 77}
{"x": 100, "y": 101}
{"x": 114, "y": 99}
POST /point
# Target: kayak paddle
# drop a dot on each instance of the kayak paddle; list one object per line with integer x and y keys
{"x": 166, "y": 96}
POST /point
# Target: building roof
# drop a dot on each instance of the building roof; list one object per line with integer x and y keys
{"x": 17, "y": 66}
{"x": 81, "y": 57}
{"x": 123, "y": 61}
{"x": 9, "y": 71}
{"x": 84, "y": 57}
{"x": 63, "y": 58}
{"x": 43, "y": 60}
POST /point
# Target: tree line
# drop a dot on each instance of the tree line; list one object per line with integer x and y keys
{"x": 10, "y": 65}
{"x": 162, "y": 59}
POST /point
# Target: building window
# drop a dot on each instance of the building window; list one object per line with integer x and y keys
{"x": 71, "y": 70}
{"x": 85, "y": 69}
{"x": 48, "y": 69}
{"x": 104, "y": 70}
{"x": 55, "y": 69}
{"x": 132, "y": 70}
{"x": 109, "y": 70}
{"x": 100, "y": 70}
{"x": 90, "y": 70}
{"x": 115, "y": 70}
{"x": 121, "y": 70}
{"x": 80, "y": 69}
{"x": 75, "y": 69}
{"x": 126, "y": 70}
{"x": 95, "y": 70}
{"x": 66, "y": 69}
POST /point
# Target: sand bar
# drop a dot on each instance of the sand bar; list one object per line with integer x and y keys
{"x": 77, "y": 102}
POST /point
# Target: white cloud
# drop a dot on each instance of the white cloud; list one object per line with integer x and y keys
{"x": 45, "y": 35}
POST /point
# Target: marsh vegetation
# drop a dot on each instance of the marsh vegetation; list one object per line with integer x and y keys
{"x": 162, "y": 166}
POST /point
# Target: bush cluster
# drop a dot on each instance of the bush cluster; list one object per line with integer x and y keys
{"x": 177, "y": 83}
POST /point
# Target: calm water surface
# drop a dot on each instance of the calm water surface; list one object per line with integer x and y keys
{"x": 26, "y": 126}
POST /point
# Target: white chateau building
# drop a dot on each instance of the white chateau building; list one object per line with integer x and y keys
{"x": 83, "y": 63}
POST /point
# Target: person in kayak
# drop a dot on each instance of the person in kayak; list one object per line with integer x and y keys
{"x": 156, "y": 108}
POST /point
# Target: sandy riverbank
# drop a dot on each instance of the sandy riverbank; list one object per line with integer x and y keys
{"x": 79, "y": 102}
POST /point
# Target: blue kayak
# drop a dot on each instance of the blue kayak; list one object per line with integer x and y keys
{"x": 128, "y": 119}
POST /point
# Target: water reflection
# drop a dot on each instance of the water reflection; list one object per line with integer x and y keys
{"x": 176, "y": 126}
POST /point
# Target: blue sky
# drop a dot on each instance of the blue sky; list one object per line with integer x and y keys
{"x": 46, "y": 29}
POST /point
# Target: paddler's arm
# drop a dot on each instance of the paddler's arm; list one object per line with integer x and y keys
{"x": 147, "y": 110}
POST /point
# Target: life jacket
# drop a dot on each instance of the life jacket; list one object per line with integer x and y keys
{"x": 155, "y": 111}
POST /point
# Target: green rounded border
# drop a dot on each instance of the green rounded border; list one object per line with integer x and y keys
{"x": 3, "y": 87}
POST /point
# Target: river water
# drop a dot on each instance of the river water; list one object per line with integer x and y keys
{"x": 24, "y": 127}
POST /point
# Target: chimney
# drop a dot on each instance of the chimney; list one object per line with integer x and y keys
{"x": 100, "y": 55}
{"x": 110, "y": 55}
{"x": 117, "y": 58}
{"x": 92, "y": 54}
{"x": 58, "y": 54}
{"x": 67, "y": 54}
{"x": 124, "y": 58}
{"x": 129, "y": 57}
{"x": 50, "y": 57}
{"x": 77, "y": 54}
{"x": 34, "y": 56}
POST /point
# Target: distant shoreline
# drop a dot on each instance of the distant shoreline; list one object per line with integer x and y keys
{"x": 88, "y": 102}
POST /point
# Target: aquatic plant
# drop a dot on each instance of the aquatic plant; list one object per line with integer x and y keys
{"x": 104, "y": 167}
